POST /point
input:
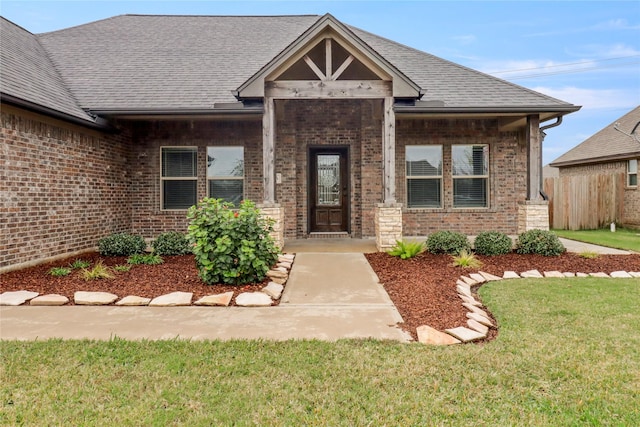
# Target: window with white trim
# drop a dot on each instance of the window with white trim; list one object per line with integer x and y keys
{"x": 225, "y": 173}
{"x": 632, "y": 173}
{"x": 178, "y": 177}
{"x": 424, "y": 176}
{"x": 470, "y": 173}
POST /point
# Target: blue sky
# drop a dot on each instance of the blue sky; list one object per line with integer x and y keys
{"x": 583, "y": 52}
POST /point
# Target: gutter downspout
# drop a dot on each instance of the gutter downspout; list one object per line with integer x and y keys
{"x": 542, "y": 135}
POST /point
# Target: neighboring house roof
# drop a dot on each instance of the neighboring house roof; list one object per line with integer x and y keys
{"x": 132, "y": 63}
{"x": 607, "y": 144}
{"x": 550, "y": 172}
{"x": 28, "y": 76}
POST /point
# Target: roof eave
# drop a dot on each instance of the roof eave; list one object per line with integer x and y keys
{"x": 560, "y": 110}
{"x": 600, "y": 159}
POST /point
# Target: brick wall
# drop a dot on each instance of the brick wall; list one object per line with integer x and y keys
{"x": 148, "y": 219}
{"x": 62, "y": 187}
{"x": 507, "y": 176}
{"x": 301, "y": 124}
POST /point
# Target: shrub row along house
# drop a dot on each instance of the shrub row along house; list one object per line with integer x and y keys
{"x": 122, "y": 124}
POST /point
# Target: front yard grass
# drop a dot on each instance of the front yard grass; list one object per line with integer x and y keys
{"x": 568, "y": 353}
{"x": 623, "y": 238}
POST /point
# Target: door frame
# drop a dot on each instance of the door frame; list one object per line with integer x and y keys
{"x": 344, "y": 152}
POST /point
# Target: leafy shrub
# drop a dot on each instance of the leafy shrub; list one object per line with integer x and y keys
{"x": 122, "y": 268}
{"x": 171, "y": 243}
{"x": 406, "y": 250}
{"x": 492, "y": 243}
{"x": 541, "y": 242}
{"x": 447, "y": 242}
{"x": 230, "y": 246}
{"x": 79, "y": 263}
{"x": 466, "y": 259}
{"x": 589, "y": 254}
{"x": 99, "y": 271}
{"x": 149, "y": 259}
{"x": 59, "y": 271}
{"x": 121, "y": 244}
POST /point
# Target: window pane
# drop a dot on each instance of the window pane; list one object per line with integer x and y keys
{"x": 424, "y": 160}
{"x": 633, "y": 180}
{"x": 179, "y": 162}
{"x": 633, "y": 166}
{"x": 423, "y": 193}
{"x": 469, "y": 192}
{"x": 225, "y": 161}
{"x": 230, "y": 190}
{"x": 470, "y": 159}
{"x": 178, "y": 194}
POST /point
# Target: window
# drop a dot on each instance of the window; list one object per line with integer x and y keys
{"x": 424, "y": 176}
{"x": 179, "y": 177}
{"x": 470, "y": 170}
{"x": 632, "y": 173}
{"x": 225, "y": 173}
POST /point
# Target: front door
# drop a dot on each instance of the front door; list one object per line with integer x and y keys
{"x": 329, "y": 190}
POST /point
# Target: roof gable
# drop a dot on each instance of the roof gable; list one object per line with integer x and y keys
{"x": 607, "y": 144}
{"x": 328, "y": 26}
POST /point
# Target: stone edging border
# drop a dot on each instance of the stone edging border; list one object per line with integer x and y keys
{"x": 264, "y": 298}
{"x": 478, "y": 320}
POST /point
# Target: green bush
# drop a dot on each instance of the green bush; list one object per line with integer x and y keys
{"x": 59, "y": 271}
{"x": 541, "y": 242}
{"x": 148, "y": 259}
{"x": 406, "y": 250}
{"x": 447, "y": 242}
{"x": 230, "y": 246}
{"x": 121, "y": 244}
{"x": 466, "y": 259}
{"x": 492, "y": 243}
{"x": 171, "y": 243}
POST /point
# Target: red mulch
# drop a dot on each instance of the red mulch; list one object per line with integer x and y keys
{"x": 423, "y": 288}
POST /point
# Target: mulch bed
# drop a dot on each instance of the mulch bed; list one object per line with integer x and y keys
{"x": 422, "y": 288}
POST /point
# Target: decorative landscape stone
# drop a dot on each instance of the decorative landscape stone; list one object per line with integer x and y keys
{"x": 16, "y": 297}
{"x": 599, "y": 274}
{"x": 489, "y": 277}
{"x": 478, "y": 277}
{"x": 634, "y": 273}
{"x": 464, "y": 291}
{"x": 470, "y": 300}
{"x": 554, "y": 274}
{"x": 274, "y": 290}
{"x": 480, "y": 319}
{"x": 173, "y": 299}
{"x": 49, "y": 300}
{"x": 569, "y": 274}
{"x": 461, "y": 283}
{"x": 510, "y": 275}
{"x": 223, "y": 300}
{"x": 276, "y": 274}
{"x": 535, "y": 274}
{"x": 620, "y": 275}
{"x": 133, "y": 300}
{"x": 475, "y": 309}
{"x": 94, "y": 298}
{"x": 469, "y": 281}
{"x": 282, "y": 269}
{"x": 465, "y": 334}
{"x": 429, "y": 335}
{"x": 279, "y": 280}
{"x": 286, "y": 265}
{"x": 253, "y": 299}
{"x": 582, "y": 275}
{"x": 477, "y": 326}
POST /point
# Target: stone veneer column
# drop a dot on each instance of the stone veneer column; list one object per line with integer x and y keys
{"x": 533, "y": 214}
{"x": 388, "y": 225}
{"x": 275, "y": 212}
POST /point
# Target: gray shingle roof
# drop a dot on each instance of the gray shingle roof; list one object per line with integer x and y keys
{"x": 606, "y": 144}
{"x": 143, "y": 62}
{"x": 28, "y": 74}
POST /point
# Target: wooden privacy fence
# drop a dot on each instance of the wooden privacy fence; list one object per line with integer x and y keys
{"x": 586, "y": 201}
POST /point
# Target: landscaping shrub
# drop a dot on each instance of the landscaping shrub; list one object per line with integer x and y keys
{"x": 406, "y": 250}
{"x": 466, "y": 260}
{"x": 59, "y": 271}
{"x": 492, "y": 243}
{"x": 99, "y": 271}
{"x": 447, "y": 242}
{"x": 148, "y": 259}
{"x": 171, "y": 243}
{"x": 121, "y": 244}
{"x": 541, "y": 242}
{"x": 230, "y": 246}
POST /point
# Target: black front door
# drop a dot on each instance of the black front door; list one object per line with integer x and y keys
{"x": 329, "y": 190}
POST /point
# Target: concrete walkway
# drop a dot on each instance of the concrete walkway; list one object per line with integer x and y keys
{"x": 578, "y": 247}
{"x": 328, "y": 297}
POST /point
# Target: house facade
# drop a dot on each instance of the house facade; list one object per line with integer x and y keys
{"x": 608, "y": 161}
{"x": 122, "y": 124}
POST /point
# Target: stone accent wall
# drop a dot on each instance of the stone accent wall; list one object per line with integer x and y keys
{"x": 62, "y": 187}
{"x": 276, "y": 213}
{"x": 356, "y": 124}
{"x": 148, "y": 218}
{"x": 388, "y": 225}
{"x": 507, "y": 176}
{"x": 533, "y": 215}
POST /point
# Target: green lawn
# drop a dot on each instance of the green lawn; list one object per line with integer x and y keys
{"x": 621, "y": 239}
{"x": 568, "y": 353}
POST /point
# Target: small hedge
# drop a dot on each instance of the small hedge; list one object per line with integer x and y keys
{"x": 541, "y": 242}
{"x": 121, "y": 244}
{"x": 447, "y": 242}
{"x": 171, "y": 243}
{"x": 492, "y": 243}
